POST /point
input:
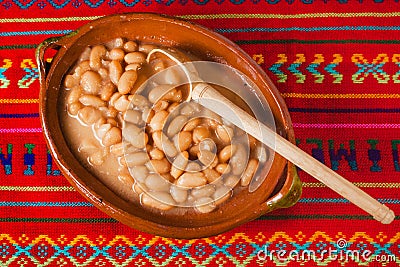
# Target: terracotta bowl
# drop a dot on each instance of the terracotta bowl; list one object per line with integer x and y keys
{"x": 281, "y": 188}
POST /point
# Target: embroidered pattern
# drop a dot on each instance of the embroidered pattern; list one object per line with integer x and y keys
{"x": 238, "y": 250}
{"x": 4, "y": 82}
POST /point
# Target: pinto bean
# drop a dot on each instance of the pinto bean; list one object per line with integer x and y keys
{"x": 139, "y": 173}
{"x": 89, "y": 115}
{"x": 155, "y": 182}
{"x": 205, "y": 205}
{"x": 158, "y": 120}
{"x": 91, "y": 100}
{"x": 226, "y": 153}
{"x": 112, "y": 137}
{"x": 190, "y": 180}
{"x": 157, "y": 200}
{"x": 135, "y": 57}
{"x": 178, "y": 194}
{"x": 136, "y": 159}
{"x": 115, "y": 73}
{"x": 238, "y": 161}
{"x": 96, "y": 55}
{"x": 91, "y": 82}
{"x": 127, "y": 81}
{"x": 249, "y": 172}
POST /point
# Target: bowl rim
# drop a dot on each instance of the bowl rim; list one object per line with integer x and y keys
{"x": 64, "y": 42}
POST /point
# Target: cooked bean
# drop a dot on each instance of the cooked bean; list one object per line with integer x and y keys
{"x": 135, "y": 135}
{"x": 130, "y": 46}
{"x": 174, "y": 95}
{"x": 160, "y": 105}
{"x": 139, "y": 188}
{"x": 206, "y": 157}
{"x": 139, "y": 173}
{"x": 200, "y": 133}
{"x": 139, "y": 101}
{"x": 133, "y": 116}
{"x": 133, "y": 66}
{"x": 83, "y": 67}
{"x": 231, "y": 181}
{"x": 112, "y": 137}
{"x": 156, "y": 153}
{"x": 91, "y": 82}
{"x": 261, "y": 153}
{"x": 238, "y": 161}
{"x": 115, "y": 73}
{"x": 192, "y": 124}
{"x": 178, "y": 194}
{"x": 146, "y": 48}
{"x": 205, "y": 205}
{"x": 226, "y": 153}
{"x": 158, "y": 120}
{"x": 211, "y": 175}
{"x": 204, "y": 191}
{"x": 97, "y": 158}
{"x": 194, "y": 150}
{"x": 114, "y": 98}
{"x": 116, "y": 54}
{"x": 172, "y": 106}
{"x": 122, "y": 103}
{"x": 162, "y": 142}
{"x": 224, "y": 133}
{"x": 74, "y": 94}
{"x": 136, "y": 159}
{"x": 103, "y": 72}
{"x": 249, "y": 172}
{"x": 157, "y": 200}
{"x": 176, "y": 125}
{"x": 207, "y": 144}
{"x": 102, "y": 130}
{"x": 135, "y": 57}
{"x": 115, "y": 43}
{"x": 98, "y": 52}
{"x": 73, "y": 108}
{"x": 191, "y": 180}
{"x": 157, "y": 93}
{"x": 127, "y": 81}
{"x": 183, "y": 140}
{"x": 155, "y": 182}
{"x": 107, "y": 90}
{"x": 126, "y": 178}
{"x": 159, "y": 166}
{"x": 89, "y": 115}
{"x": 223, "y": 168}
{"x": 117, "y": 149}
{"x": 179, "y": 164}
{"x": 147, "y": 114}
{"x": 70, "y": 81}
{"x": 222, "y": 194}
{"x": 91, "y": 100}
{"x": 193, "y": 167}
{"x": 173, "y": 76}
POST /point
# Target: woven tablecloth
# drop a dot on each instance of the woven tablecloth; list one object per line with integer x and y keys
{"x": 337, "y": 65}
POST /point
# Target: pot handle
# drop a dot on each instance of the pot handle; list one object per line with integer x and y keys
{"x": 52, "y": 42}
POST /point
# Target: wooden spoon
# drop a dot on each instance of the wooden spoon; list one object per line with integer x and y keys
{"x": 210, "y": 98}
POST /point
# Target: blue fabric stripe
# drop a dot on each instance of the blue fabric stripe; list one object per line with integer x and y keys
{"x": 18, "y": 116}
{"x": 44, "y": 204}
{"x": 23, "y": 33}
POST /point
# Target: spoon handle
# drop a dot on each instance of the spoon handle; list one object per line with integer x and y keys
{"x": 207, "y": 96}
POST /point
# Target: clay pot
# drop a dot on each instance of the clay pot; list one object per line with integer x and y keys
{"x": 281, "y": 188}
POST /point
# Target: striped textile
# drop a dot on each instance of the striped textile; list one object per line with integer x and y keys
{"x": 335, "y": 62}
